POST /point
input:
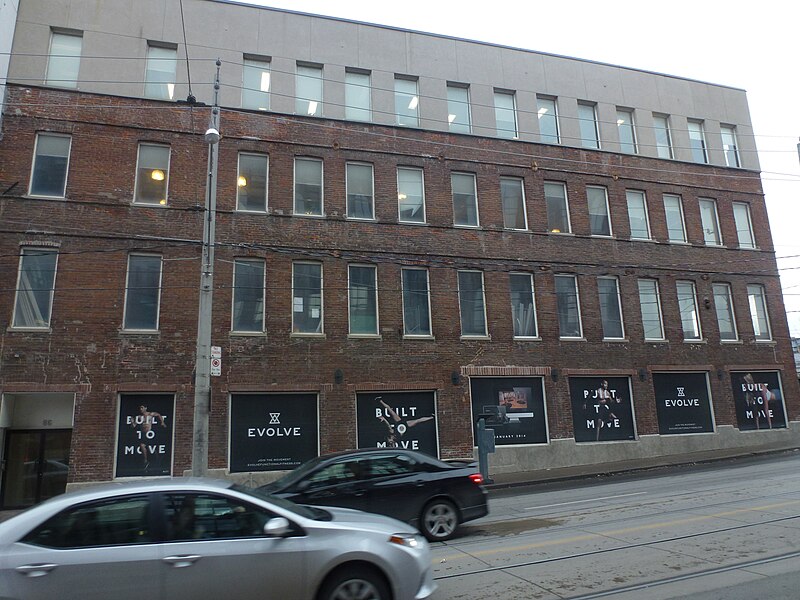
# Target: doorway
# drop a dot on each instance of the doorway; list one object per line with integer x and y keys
{"x": 36, "y": 466}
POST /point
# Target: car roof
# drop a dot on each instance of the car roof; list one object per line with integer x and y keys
{"x": 368, "y": 451}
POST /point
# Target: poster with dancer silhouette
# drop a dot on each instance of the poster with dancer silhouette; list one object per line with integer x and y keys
{"x": 144, "y": 435}
{"x": 602, "y": 410}
{"x": 758, "y": 398}
{"x": 397, "y": 420}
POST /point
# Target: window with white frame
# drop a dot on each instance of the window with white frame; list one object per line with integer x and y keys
{"x": 472, "y": 304}
{"x": 465, "y": 199}
{"x": 512, "y": 196}
{"x": 673, "y": 210}
{"x": 35, "y": 285}
{"x": 555, "y": 195}
{"x": 50, "y": 165}
{"x": 627, "y": 131}
{"x": 697, "y": 141}
{"x": 64, "y": 60}
{"x": 638, "y": 218}
{"x": 650, "y": 304}
{"x": 357, "y": 95}
{"x": 248, "y": 295}
{"x": 757, "y": 300}
{"x": 360, "y": 191}
{"x": 523, "y": 305}
{"x": 308, "y": 187}
{"x": 726, "y": 320}
{"x": 142, "y": 292}
{"x": 610, "y": 308}
{"x": 307, "y": 298}
{"x": 687, "y": 305}
{"x": 308, "y": 90}
{"x": 458, "y": 113}
{"x": 152, "y": 174}
{"x": 587, "y": 123}
{"x": 256, "y": 80}
{"x": 663, "y": 136}
{"x": 410, "y": 195}
{"x": 416, "y": 303}
{"x": 729, "y": 146}
{"x": 547, "y": 113}
{"x": 505, "y": 114}
{"x": 406, "y": 101}
{"x": 362, "y": 286}
{"x": 599, "y": 219}
{"x": 710, "y": 221}
{"x": 251, "y": 182}
{"x": 162, "y": 62}
{"x": 568, "y": 306}
{"x": 744, "y": 225}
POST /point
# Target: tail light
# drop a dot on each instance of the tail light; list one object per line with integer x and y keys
{"x": 476, "y": 478}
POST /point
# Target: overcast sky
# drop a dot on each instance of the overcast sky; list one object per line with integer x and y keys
{"x": 754, "y": 46}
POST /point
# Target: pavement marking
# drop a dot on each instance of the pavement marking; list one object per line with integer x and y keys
{"x": 583, "y": 501}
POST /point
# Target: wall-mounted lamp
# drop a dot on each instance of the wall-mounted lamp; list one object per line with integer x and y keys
{"x": 338, "y": 376}
{"x": 720, "y": 373}
{"x": 554, "y": 374}
{"x": 707, "y": 302}
{"x": 642, "y": 374}
{"x": 455, "y": 378}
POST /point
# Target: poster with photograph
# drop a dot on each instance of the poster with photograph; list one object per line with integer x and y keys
{"x": 144, "y": 435}
{"x": 397, "y": 420}
{"x": 512, "y": 406}
{"x": 682, "y": 403}
{"x": 272, "y": 432}
{"x": 759, "y": 400}
{"x": 602, "y": 410}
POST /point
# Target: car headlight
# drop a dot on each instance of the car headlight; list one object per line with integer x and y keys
{"x": 409, "y": 540}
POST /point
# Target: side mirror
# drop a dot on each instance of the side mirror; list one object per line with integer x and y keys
{"x": 277, "y": 527}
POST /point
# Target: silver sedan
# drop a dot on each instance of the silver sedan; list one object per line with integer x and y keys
{"x": 206, "y": 539}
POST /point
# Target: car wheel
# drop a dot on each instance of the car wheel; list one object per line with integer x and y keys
{"x": 439, "y": 520}
{"x": 354, "y": 584}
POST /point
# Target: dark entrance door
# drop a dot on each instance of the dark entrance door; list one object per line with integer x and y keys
{"x": 36, "y": 466}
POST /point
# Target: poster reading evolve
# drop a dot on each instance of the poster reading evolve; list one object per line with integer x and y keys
{"x": 682, "y": 403}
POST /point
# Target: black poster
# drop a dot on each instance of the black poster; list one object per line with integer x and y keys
{"x": 397, "y": 420}
{"x": 758, "y": 399}
{"x": 512, "y": 406}
{"x": 272, "y": 432}
{"x": 601, "y": 409}
{"x": 144, "y": 436}
{"x": 682, "y": 403}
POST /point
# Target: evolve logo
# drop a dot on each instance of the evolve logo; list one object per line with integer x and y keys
{"x": 274, "y": 419}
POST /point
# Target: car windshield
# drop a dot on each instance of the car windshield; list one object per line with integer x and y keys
{"x": 294, "y": 476}
{"x": 309, "y": 512}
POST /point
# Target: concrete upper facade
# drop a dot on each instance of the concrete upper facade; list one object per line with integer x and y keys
{"x": 116, "y": 35}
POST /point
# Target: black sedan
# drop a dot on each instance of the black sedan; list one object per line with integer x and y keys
{"x": 434, "y": 495}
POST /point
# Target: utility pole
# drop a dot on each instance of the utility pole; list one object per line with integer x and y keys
{"x": 202, "y": 369}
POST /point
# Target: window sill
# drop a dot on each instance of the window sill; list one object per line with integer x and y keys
{"x": 304, "y": 215}
{"x": 252, "y": 212}
{"x": 460, "y": 226}
{"x": 149, "y": 204}
{"x": 602, "y": 237}
{"x": 319, "y": 336}
{"x": 527, "y": 339}
{"x": 651, "y": 240}
{"x": 424, "y": 224}
{"x": 248, "y": 333}
{"x": 699, "y": 341}
{"x": 476, "y": 337}
{"x": 361, "y": 219}
{"x": 419, "y": 337}
{"x": 29, "y": 329}
{"x": 731, "y": 342}
{"x": 526, "y": 230}
{"x": 565, "y": 233}
{"x": 572, "y": 339}
{"x": 140, "y": 332}
{"x": 766, "y": 342}
{"x": 646, "y": 341}
{"x": 616, "y": 340}
{"x": 43, "y": 197}
{"x": 678, "y": 243}
{"x": 364, "y": 336}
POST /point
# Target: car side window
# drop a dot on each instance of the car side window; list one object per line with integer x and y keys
{"x": 212, "y": 517}
{"x": 392, "y": 465}
{"x": 339, "y": 472}
{"x": 116, "y": 522}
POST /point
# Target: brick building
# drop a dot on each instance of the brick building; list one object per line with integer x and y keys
{"x": 412, "y": 232}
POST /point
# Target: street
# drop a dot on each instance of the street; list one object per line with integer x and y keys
{"x": 726, "y": 530}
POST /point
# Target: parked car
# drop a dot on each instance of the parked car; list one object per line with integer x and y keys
{"x": 435, "y": 496}
{"x": 204, "y": 539}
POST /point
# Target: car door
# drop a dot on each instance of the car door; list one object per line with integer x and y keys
{"x": 397, "y": 486}
{"x": 98, "y": 550}
{"x": 341, "y": 483}
{"x": 216, "y": 548}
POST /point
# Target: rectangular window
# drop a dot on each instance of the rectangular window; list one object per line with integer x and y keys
{"x": 160, "y": 72}
{"x": 360, "y": 192}
{"x": 650, "y": 303}
{"x": 406, "y": 101}
{"x": 306, "y": 298}
{"x": 555, "y": 195}
{"x": 663, "y": 136}
{"x": 152, "y": 175}
{"x": 458, "y": 114}
{"x": 690, "y": 317}
{"x": 64, "y": 59}
{"x": 251, "y": 182}
{"x": 569, "y": 312}
{"x": 35, "y": 285}
{"x": 465, "y": 199}
{"x": 512, "y": 195}
{"x": 729, "y": 146}
{"x": 587, "y": 121}
{"x": 547, "y": 112}
{"x": 637, "y": 215}
{"x": 505, "y": 114}
{"x": 627, "y": 131}
{"x": 673, "y": 209}
{"x": 610, "y": 308}
{"x": 416, "y": 303}
{"x": 248, "y": 295}
{"x": 363, "y": 299}
{"x": 142, "y": 292}
{"x": 50, "y": 165}
{"x": 697, "y": 141}
{"x": 523, "y": 307}
{"x": 410, "y": 195}
{"x": 710, "y": 222}
{"x": 472, "y": 305}
{"x": 308, "y": 187}
{"x": 308, "y": 90}
{"x": 723, "y": 303}
{"x": 757, "y": 300}
{"x": 744, "y": 225}
{"x": 599, "y": 219}
{"x": 357, "y": 96}
{"x": 256, "y": 78}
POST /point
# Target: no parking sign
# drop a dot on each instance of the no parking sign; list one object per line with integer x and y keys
{"x": 216, "y": 361}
